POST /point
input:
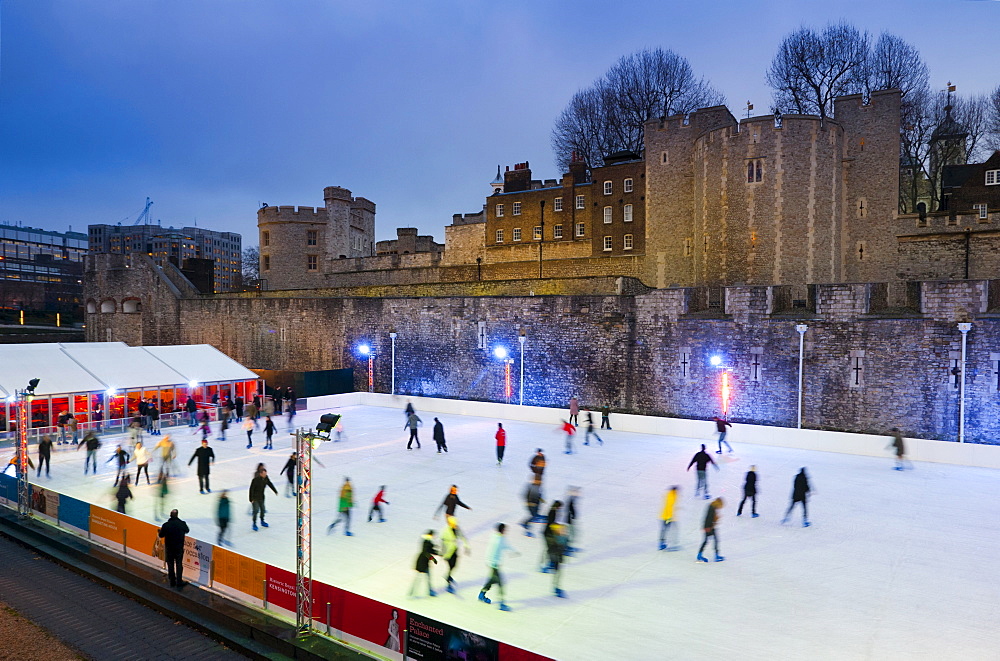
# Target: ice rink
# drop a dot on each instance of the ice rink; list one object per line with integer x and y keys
{"x": 897, "y": 565}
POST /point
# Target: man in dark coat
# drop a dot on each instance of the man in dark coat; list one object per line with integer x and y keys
{"x": 423, "y": 564}
{"x": 800, "y": 493}
{"x": 450, "y": 502}
{"x": 750, "y": 491}
{"x": 439, "y": 436}
{"x": 259, "y": 483}
{"x": 206, "y": 457}
{"x": 45, "y": 454}
{"x": 191, "y": 407}
{"x": 700, "y": 461}
{"x": 172, "y": 533}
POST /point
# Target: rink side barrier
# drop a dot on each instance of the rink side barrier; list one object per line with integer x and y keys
{"x": 702, "y": 431}
{"x": 379, "y": 628}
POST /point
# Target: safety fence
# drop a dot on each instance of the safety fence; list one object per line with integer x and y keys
{"x": 383, "y": 629}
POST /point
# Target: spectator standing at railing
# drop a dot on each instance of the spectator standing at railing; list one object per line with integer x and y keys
{"x": 173, "y": 532}
{"x": 98, "y": 418}
{"x": 154, "y": 419}
{"x": 238, "y": 403}
{"x": 44, "y": 454}
{"x": 277, "y": 401}
{"x": 71, "y": 428}
{"x": 61, "y": 425}
{"x": 143, "y": 415}
{"x": 192, "y": 410}
{"x": 92, "y": 444}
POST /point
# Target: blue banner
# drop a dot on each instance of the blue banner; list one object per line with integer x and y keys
{"x": 8, "y": 487}
{"x": 74, "y": 512}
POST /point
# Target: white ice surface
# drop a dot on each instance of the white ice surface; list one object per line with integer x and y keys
{"x": 897, "y": 565}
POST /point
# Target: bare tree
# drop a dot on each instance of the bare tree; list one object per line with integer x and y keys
{"x": 973, "y": 113}
{"x": 609, "y": 115}
{"x": 994, "y": 119}
{"x": 251, "y": 264}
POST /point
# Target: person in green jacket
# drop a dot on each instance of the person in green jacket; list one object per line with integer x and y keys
{"x": 346, "y": 503}
{"x": 222, "y": 517}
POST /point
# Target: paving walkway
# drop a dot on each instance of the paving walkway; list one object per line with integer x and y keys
{"x": 98, "y": 622}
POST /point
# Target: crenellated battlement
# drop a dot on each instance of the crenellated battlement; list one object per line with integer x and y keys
{"x": 291, "y": 214}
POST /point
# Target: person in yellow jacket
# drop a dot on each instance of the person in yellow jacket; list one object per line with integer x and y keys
{"x": 667, "y": 515}
{"x": 346, "y": 503}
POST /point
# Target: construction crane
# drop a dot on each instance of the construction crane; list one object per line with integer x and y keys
{"x": 144, "y": 216}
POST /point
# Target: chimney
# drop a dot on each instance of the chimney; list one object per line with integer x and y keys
{"x": 518, "y": 179}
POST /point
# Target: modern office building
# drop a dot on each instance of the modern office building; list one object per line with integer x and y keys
{"x": 41, "y": 271}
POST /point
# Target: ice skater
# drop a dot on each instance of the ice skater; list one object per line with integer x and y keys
{"x": 900, "y": 447}
{"x": 494, "y": 559}
{"x": 800, "y": 494}
{"x": 45, "y": 455}
{"x": 346, "y": 504}
{"x": 258, "y": 484}
{"x": 452, "y": 542}
{"x": 450, "y": 502}
{"x": 711, "y": 520}
{"x": 720, "y": 427}
{"x": 141, "y": 456}
{"x": 268, "y": 432}
{"x": 749, "y": 491}
{"x": 93, "y": 444}
{"x": 537, "y": 464}
{"x": 222, "y": 511}
{"x": 248, "y": 428}
{"x": 590, "y": 430}
{"x": 551, "y": 520}
{"x": 574, "y": 411}
{"x": 120, "y": 457}
{"x": 377, "y": 505}
{"x": 438, "y": 435}
{"x": 289, "y": 468}
{"x": 532, "y": 501}
{"x": 423, "y": 564}
{"x": 701, "y": 460}
{"x": 413, "y": 422}
{"x": 667, "y": 515}
{"x": 569, "y": 430}
{"x": 501, "y": 439}
{"x": 168, "y": 452}
{"x": 557, "y": 542}
{"x": 206, "y": 457}
{"x": 123, "y": 493}
{"x": 162, "y": 491}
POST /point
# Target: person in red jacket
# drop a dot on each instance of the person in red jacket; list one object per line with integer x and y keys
{"x": 501, "y": 437}
{"x": 569, "y": 430}
{"x": 379, "y": 498}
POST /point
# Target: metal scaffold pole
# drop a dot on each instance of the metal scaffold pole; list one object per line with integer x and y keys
{"x": 303, "y": 529}
{"x": 23, "y": 421}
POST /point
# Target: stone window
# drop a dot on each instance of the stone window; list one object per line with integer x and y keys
{"x": 628, "y": 242}
{"x": 688, "y": 247}
{"x": 516, "y": 234}
{"x": 628, "y": 185}
{"x": 91, "y": 307}
{"x": 499, "y": 236}
{"x": 608, "y": 244}
{"x": 312, "y": 237}
{"x": 536, "y": 233}
{"x": 862, "y": 207}
{"x": 663, "y": 158}
{"x": 755, "y": 170}
{"x": 481, "y": 334}
{"x": 499, "y": 211}
{"x": 628, "y": 213}
{"x": 108, "y": 305}
{"x": 131, "y": 306}
{"x": 312, "y": 262}
{"x": 557, "y": 232}
{"x": 283, "y": 334}
{"x": 993, "y": 177}
{"x": 983, "y": 210}
{"x": 856, "y": 374}
{"x": 517, "y": 209}
{"x": 265, "y": 238}
{"x": 557, "y": 204}
{"x": 684, "y": 362}
{"x": 954, "y": 370}
{"x": 608, "y": 187}
{"x": 580, "y": 202}
{"x": 861, "y": 250}
{"x": 266, "y": 259}
{"x": 755, "y": 365}
{"x": 607, "y": 215}
{"x": 581, "y": 229}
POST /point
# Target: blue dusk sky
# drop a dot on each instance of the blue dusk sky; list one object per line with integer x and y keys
{"x": 211, "y": 107}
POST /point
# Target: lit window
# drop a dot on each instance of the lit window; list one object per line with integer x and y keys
{"x": 499, "y": 211}
{"x": 607, "y": 188}
{"x": 993, "y": 177}
{"x": 557, "y": 232}
{"x": 536, "y": 233}
{"x": 628, "y": 213}
{"x": 579, "y": 202}
{"x": 607, "y": 215}
{"x": 628, "y": 185}
{"x": 580, "y": 229}
{"x": 557, "y": 204}
{"x": 608, "y": 245}
{"x": 312, "y": 237}
{"x": 499, "y": 236}
{"x": 265, "y": 239}
{"x": 516, "y": 234}
{"x": 312, "y": 262}
{"x": 267, "y": 262}
{"x": 517, "y": 209}
{"x": 628, "y": 242}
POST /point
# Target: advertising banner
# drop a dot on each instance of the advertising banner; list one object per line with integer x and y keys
{"x": 238, "y": 572}
{"x": 430, "y": 640}
{"x": 197, "y": 560}
{"x": 367, "y": 619}
{"x": 141, "y": 535}
{"x": 280, "y": 588}
{"x": 44, "y": 501}
{"x": 107, "y": 524}
{"x": 75, "y": 513}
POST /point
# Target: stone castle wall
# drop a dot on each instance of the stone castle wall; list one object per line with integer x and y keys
{"x": 866, "y": 368}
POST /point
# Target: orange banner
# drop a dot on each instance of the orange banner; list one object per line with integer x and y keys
{"x": 239, "y": 572}
{"x": 141, "y": 535}
{"x": 107, "y": 524}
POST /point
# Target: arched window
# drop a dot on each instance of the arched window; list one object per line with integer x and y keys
{"x": 108, "y": 305}
{"x": 91, "y": 306}
{"x": 750, "y": 172}
{"x": 131, "y": 306}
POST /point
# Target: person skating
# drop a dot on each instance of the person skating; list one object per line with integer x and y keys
{"x": 45, "y": 455}
{"x": 900, "y": 447}
{"x": 537, "y": 464}
{"x": 711, "y": 520}
{"x": 590, "y": 430}
{"x": 268, "y": 432}
{"x": 223, "y": 426}
{"x": 192, "y": 410}
{"x": 162, "y": 491}
{"x": 222, "y": 512}
{"x": 720, "y": 427}
{"x": 120, "y": 457}
{"x": 438, "y": 436}
{"x": 123, "y": 493}
{"x": 172, "y": 533}
{"x": 413, "y": 422}
{"x": 749, "y": 491}
{"x": 606, "y": 417}
{"x": 557, "y": 542}
{"x": 501, "y": 439}
{"x": 572, "y": 514}
{"x": 409, "y": 410}
{"x": 289, "y": 470}
{"x": 452, "y": 542}
{"x": 450, "y": 502}
{"x": 574, "y": 411}
{"x": 494, "y": 559}
{"x": 667, "y": 515}
{"x": 206, "y": 457}
{"x": 92, "y": 443}
{"x": 258, "y": 484}
{"x": 168, "y": 452}
{"x": 346, "y": 504}
{"x": 238, "y": 403}
{"x": 800, "y": 494}
{"x": 377, "y": 505}
{"x": 568, "y": 430}
{"x": 701, "y": 460}
{"x": 248, "y": 428}
{"x": 551, "y": 520}
{"x": 72, "y": 427}
{"x": 532, "y": 501}
{"x": 154, "y": 419}
{"x": 423, "y": 564}
{"x": 141, "y": 456}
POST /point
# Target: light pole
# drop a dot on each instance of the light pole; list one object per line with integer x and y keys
{"x": 392, "y": 337}
{"x": 366, "y": 350}
{"x": 724, "y": 388}
{"x": 520, "y": 391}
{"x": 24, "y": 398}
{"x": 965, "y": 328}
{"x": 801, "y": 328}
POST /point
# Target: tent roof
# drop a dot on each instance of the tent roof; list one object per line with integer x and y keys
{"x": 97, "y": 366}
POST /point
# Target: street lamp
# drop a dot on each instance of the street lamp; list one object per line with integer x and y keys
{"x": 366, "y": 350}
{"x": 964, "y": 328}
{"x": 392, "y": 337}
{"x": 801, "y": 328}
{"x": 502, "y": 354}
{"x": 520, "y": 392}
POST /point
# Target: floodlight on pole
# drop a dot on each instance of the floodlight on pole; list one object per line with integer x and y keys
{"x": 715, "y": 360}
{"x": 501, "y": 353}
{"x": 366, "y": 350}
{"x": 520, "y": 391}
